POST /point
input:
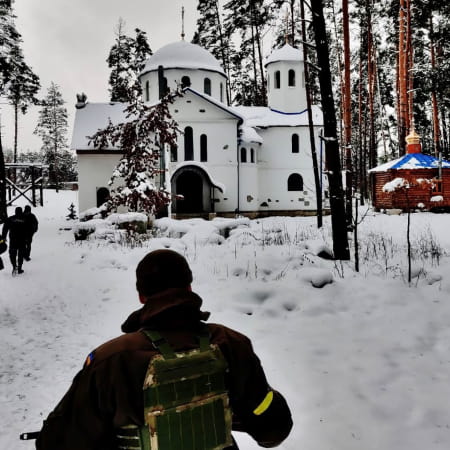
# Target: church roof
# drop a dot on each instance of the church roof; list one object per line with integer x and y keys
{"x": 412, "y": 161}
{"x": 264, "y": 117}
{"x": 285, "y": 53}
{"x": 183, "y": 55}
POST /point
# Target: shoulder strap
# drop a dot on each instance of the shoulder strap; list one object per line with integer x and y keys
{"x": 161, "y": 344}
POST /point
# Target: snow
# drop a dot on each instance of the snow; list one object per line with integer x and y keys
{"x": 363, "y": 359}
{"x": 249, "y": 135}
{"x": 183, "y": 55}
{"x": 395, "y": 184}
{"x": 285, "y": 53}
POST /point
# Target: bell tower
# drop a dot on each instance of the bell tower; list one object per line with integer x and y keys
{"x": 286, "y": 80}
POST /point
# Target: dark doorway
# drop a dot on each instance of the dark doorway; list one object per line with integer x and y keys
{"x": 102, "y": 196}
{"x": 190, "y": 185}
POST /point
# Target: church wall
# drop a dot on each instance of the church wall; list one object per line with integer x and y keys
{"x": 277, "y": 163}
{"x": 94, "y": 171}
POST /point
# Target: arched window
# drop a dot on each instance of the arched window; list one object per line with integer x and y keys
{"x": 207, "y": 86}
{"x": 291, "y": 77}
{"x": 185, "y": 81}
{"x": 188, "y": 144}
{"x": 295, "y": 182}
{"x": 162, "y": 87}
{"x": 252, "y": 155}
{"x": 203, "y": 148}
{"x": 243, "y": 155}
{"x": 277, "y": 79}
{"x": 173, "y": 153}
{"x": 221, "y": 92}
{"x": 147, "y": 91}
{"x": 295, "y": 143}
{"x": 102, "y": 195}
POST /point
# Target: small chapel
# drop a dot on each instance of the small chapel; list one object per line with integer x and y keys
{"x": 254, "y": 161}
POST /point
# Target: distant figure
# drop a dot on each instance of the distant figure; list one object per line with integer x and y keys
{"x": 16, "y": 227}
{"x": 31, "y": 228}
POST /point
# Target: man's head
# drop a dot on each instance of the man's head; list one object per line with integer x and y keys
{"x": 27, "y": 209}
{"x": 18, "y": 211}
{"x": 160, "y": 270}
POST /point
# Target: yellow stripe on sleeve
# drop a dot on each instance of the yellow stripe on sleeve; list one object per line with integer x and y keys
{"x": 264, "y": 404}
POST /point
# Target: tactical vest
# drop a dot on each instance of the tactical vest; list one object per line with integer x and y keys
{"x": 186, "y": 405}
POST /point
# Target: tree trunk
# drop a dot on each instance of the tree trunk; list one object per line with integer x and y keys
{"x": 347, "y": 118}
{"x": 339, "y": 229}
{"x": 310, "y": 121}
{"x": 402, "y": 81}
{"x": 434, "y": 102}
{"x": 3, "y": 209}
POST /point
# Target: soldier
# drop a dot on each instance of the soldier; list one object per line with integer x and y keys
{"x": 31, "y": 228}
{"x": 16, "y": 227}
{"x": 128, "y": 393}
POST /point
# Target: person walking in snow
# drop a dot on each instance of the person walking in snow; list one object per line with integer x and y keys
{"x": 127, "y": 393}
{"x": 32, "y": 225}
{"x": 16, "y": 227}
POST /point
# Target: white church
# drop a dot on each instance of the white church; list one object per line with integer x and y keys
{"x": 255, "y": 161}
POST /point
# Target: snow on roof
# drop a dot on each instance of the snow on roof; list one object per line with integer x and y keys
{"x": 185, "y": 55}
{"x": 249, "y": 135}
{"x": 93, "y": 117}
{"x": 412, "y": 161}
{"x": 261, "y": 116}
{"x": 285, "y": 53}
{"x": 219, "y": 185}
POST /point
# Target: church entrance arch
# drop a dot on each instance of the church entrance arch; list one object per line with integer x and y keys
{"x": 194, "y": 185}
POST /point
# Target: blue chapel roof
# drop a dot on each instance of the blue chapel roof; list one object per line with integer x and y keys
{"x": 412, "y": 161}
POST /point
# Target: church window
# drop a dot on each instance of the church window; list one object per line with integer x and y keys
{"x": 173, "y": 153}
{"x": 291, "y": 78}
{"x": 243, "y": 155}
{"x": 185, "y": 81}
{"x": 295, "y": 182}
{"x": 252, "y": 155}
{"x": 277, "y": 79}
{"x": 203, "y": 148}
{"x": 221, "y": 92}
{"x": 207, "y": 86}
{"x": 295, "y": 143}
{"x": 147, "y": 91}
{"x": 188, "y": 144}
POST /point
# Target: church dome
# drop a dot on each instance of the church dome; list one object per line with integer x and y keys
{"x": 183, "y": 55}
{"x": 285, "y": 53}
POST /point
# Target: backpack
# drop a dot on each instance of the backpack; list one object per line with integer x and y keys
{"x": 186, "y": 404}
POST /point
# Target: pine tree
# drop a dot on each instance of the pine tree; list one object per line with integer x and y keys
{"x": 52, "y": 128}
{"x": 126, "y": 60}
{"x": 211, "y": 35}
{"x": 21, "y": 91}
{"x": 246, "y": 22}
{"x": 10, "y": 40}
{"x": 142, "y": 140}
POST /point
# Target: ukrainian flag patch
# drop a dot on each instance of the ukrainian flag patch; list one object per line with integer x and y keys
{"x": 89, "y": 359}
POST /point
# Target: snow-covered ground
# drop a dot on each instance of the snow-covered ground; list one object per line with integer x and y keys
{"x": 364, "y": 361}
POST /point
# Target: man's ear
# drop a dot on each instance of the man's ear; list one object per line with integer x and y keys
{"x": 142, "y": 299}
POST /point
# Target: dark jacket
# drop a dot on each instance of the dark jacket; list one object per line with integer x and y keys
{"x": 31, "y": 222}
{"x": 16, "y": 226}
{"x": 107, "y": 392}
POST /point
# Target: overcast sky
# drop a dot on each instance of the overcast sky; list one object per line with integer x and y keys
{"x": 68, "y": 41}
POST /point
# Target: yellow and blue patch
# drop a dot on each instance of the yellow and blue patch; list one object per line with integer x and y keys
{"x": 89, "y": 359}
